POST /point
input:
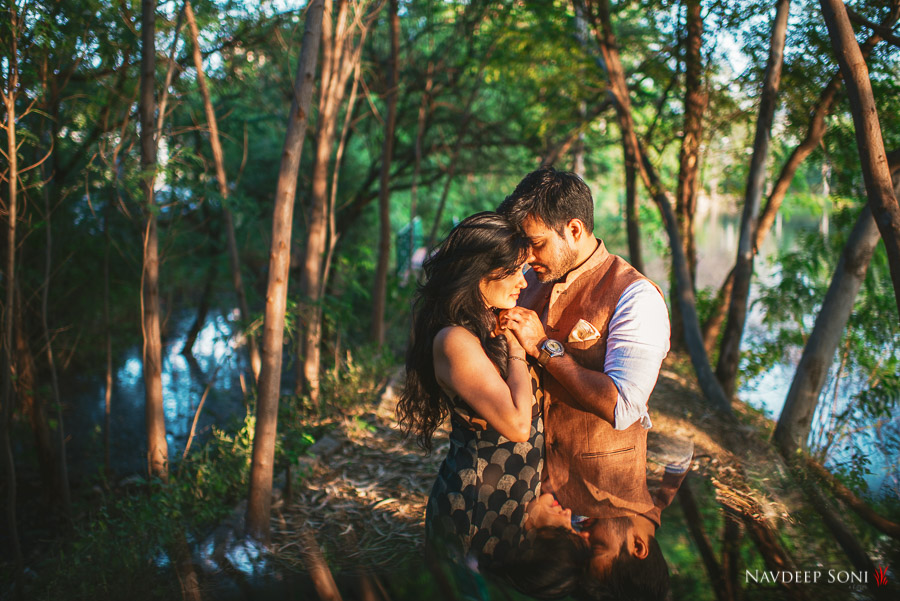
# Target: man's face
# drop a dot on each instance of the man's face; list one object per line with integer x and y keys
{"x": 605, "y": 537}
{"x": 554, "y": 255}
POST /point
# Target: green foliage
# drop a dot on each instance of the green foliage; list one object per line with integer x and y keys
{"x": 123, "y": 543}
{"x": 852, "y": 425}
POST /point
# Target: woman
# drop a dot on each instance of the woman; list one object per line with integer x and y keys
{"x": 459, "y": 364}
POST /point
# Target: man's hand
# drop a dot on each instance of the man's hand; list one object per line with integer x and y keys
{"x": 527, "y": 327}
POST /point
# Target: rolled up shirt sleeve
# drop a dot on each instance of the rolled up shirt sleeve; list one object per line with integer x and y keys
{"x": 637, "y": 344}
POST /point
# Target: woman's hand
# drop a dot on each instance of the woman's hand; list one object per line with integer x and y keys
{"x": 527, "y": 327}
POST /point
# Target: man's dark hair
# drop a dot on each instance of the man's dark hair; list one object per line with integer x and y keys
{"x": 630, "y": 578}
{"x": 552, "y": 196}
{"x": 550, "y": 564}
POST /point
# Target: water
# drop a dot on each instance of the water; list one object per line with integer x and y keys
{"x": 215, "y": 363}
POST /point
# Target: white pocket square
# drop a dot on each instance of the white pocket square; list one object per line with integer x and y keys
{"x": 583, "y": 332}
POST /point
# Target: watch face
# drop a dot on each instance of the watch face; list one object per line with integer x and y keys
{"x": 554, "y": 347}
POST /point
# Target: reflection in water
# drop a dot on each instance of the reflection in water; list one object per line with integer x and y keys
{"x": 183, "y": 378}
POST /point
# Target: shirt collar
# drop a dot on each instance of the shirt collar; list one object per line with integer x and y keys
{"x": 597, "y": 258}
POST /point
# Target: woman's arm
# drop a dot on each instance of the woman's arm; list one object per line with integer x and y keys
{"x": 463, "y": 368}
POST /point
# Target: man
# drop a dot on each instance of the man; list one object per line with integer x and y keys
{"x": 600, "y": 330}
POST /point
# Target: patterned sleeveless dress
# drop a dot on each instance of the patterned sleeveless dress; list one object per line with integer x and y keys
{"x": 476, "y": 512}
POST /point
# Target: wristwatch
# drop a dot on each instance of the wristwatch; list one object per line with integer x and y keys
{"x": 550, "y": 348}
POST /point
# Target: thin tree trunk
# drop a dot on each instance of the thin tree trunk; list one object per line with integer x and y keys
{"x": 379, "y": 295}
{"x": 773, "y": 554}
{"x": 202, "y": 311}
{"x": 632, "y": 218}
{"x": 730, "y": 351}
{"x": 609, "y": 48}
{"x": 732, "y": 535}
{"x": 31, "y": 403}
{"x": 877, "y": 177}
{"x": 847, "y": 540}
{"x": 792, "y": 430}
{"x": 260, "y": 494}
{"x": 862, "y": 509}
{"x": 317, "y": 236}
{"x": 222, "y": 180}
{"x": 60, "y": 464}
{"x": 107, "y": 393}
{"x": 417, "y": 165}
{"x": 6, "y": 411}
{"x": 339, "y": 59}
{"x": 695, "y": 101}
{"x": 157, "y": 449}
{"x": 814, "y": 134}
{"x": 698, "y": 533}
{"x": 332, "y": 204}
{"x": 318, "y": 569}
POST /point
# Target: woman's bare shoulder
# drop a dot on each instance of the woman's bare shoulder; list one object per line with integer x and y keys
{"x": 453, "y": 340}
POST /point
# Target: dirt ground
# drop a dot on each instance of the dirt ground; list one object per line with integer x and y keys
{"x": 363, "y": 497}
{"x": 365, "y": 491}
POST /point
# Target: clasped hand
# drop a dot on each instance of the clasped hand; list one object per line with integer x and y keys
{"x": 526, "y": 326}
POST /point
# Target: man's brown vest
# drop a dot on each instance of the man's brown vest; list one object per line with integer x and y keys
{"x": 592, "y": 468}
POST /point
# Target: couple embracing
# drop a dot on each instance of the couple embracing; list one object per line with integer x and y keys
{"x": 545, "y": 375}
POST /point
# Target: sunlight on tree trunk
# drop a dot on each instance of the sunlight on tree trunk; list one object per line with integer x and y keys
{"x": 695, "y": 100}
{"x": 341, "y": 50}
{"x": 263, "y": 461}
{"x": 9, "y": 278}
{"x": 222, "y": 181}
{"x": 157, "y": 448}
{"x": 730, "y": 350}
{"x": 879, "y": 189}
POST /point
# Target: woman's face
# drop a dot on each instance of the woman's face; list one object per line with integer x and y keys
{"x": 503, "y": 293}
{"x": 546, "y": 511}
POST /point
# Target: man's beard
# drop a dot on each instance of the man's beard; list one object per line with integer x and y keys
{"x": 563, "y": 262}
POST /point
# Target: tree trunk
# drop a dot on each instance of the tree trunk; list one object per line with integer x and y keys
{"x": 879, "y": 189}
{"x": 792, "y": 429}
{"x": 847, "y": 540}
{"x": 269, "y": 385}
{"x": 379, "y": 296}
{"x": 32, "y": 404}
{"x": 814, "y": 134}
{"x": 862, "y": 509}
{"x": 334, "y": 78}
{"x": 157, "y": 449}
{"x": 424, "y": 110}
{"x": 9, "y": 277}
{"x": 607, "y": 41}
{"x": 222, "y": 180}
{"x": 61, "y": 468}
{"x": 202, "y": 311}
{"x": 695, "y": 101}
{"x": 632, "y": 218}
{"x": 107, "y": 393}
{"x": 698, "y": 533}
{"x": 732, "y": 535}
{"x": 730, "y": 351}
{"x": 773, "y": 554}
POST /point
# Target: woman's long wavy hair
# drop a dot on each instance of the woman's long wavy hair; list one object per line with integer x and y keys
{"x": 484, "y": 245}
